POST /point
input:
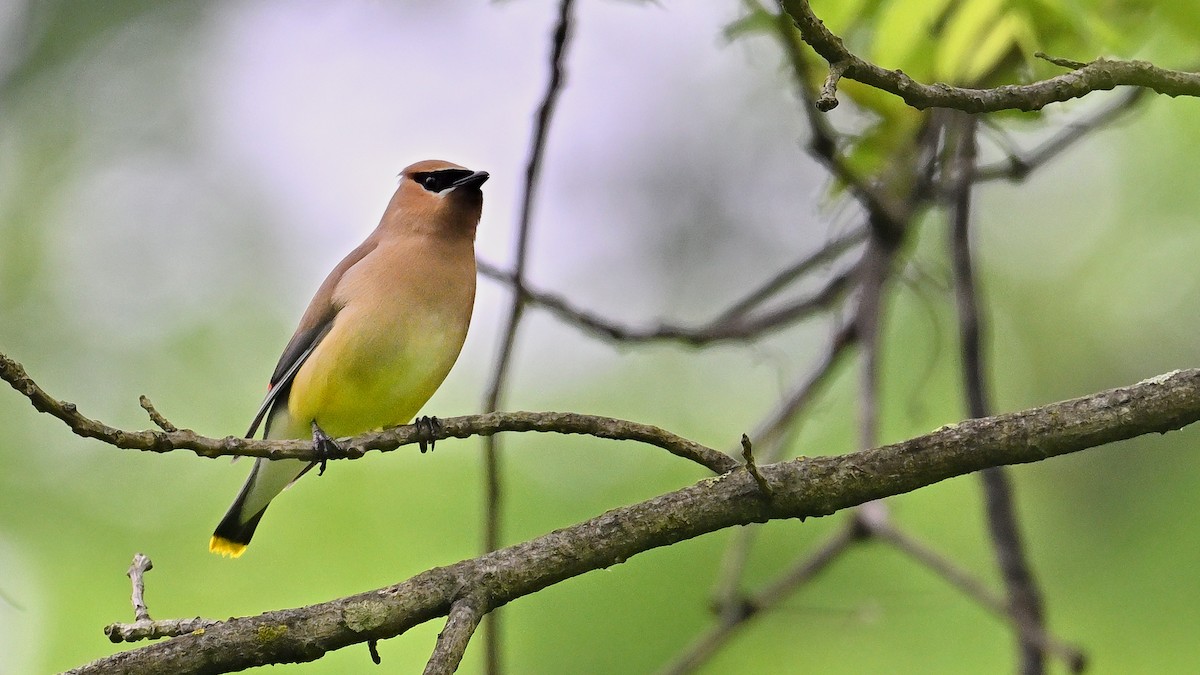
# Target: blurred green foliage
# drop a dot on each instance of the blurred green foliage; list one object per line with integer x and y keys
{"x": 134, "y": 261}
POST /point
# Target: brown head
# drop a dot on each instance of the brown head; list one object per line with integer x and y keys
{"x": 436, "y": 197}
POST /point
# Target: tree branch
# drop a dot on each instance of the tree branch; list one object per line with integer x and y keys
{"x": 1084, "y": 78}
{"x": 1019, "y": 165}
{"x": 801, "y": 488}
{"x": 882, "y": 529}
{"x": 355, "y": 447}
{"x": 733, "y": 324}
{"x": 464, "y": 616}
{"x": 735, "y": 612}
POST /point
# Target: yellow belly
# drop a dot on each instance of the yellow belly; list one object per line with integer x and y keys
{"x": 367, "y": 374}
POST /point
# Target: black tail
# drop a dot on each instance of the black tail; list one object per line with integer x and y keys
{"x": 233, "y": 534}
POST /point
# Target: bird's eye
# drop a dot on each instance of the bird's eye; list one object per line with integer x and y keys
{"x": 437, "y": 181}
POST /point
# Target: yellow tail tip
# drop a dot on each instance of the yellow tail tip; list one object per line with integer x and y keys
{"x": 222, "y": 546}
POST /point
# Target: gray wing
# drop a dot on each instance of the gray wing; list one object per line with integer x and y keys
{"x": 294, "y": 355}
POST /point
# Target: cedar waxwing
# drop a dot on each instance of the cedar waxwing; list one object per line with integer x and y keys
{"x": 377, "y": 339}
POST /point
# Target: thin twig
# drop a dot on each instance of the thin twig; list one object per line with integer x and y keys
{"x": 875, "y": 273}
{"x": 1024, "y": 598}
{"x": 1019, "y": 165}
{"x": 356, "y": 446}
{"x": 736, "y": 614}
{"x": 823, "y": 142}
{"x": 828, "y": 252}
{"x": 737, "y": 326}
{"x": 748, "y": 454}
{"x": 883, "y": 530}
{"x": 775, "y": 423}
{"x": 373, "y": 650}
{"x": 828, "y": 99}
{"x": 726, "y": 592}
{"x": 155, "y": 416}
{"x": 491, "y": 446}
{"x": 153, "y": 630}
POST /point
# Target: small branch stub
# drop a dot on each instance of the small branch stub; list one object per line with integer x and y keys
{"x": 143, "y": 627}
{"x": 828, "y": 99}
{"x": 1059, "y": 61}
{"x": 141, "y": 564}
{"x": 155, "y": 416}
{"x": 759, "y": 479}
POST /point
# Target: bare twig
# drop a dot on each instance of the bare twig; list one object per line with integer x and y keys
{"x": 773, "y": 425}
{"x": 143, "y": 627}
{"x": 461, "y": 621}
{"x": 734, "y": 327}
{"x": 726, "y": 592}
{"x": 137, "y": 570}
{"x": 962, "y": 162}
{"x": 823, "y": 142}
{"x": 1018, "y": 166}
{"x": 156, "y": 417}
{"x": 876, "y": 270}
{"x": 373, "y": 650}
{"x": 1061, "y": 62}
{"x": 736, "y": 614}
{"x": 1098, "y": 75}
{"x": 554, "y": 422}
{"x": 883, "y": 530}
{"x": 828, "y": 252}
{"x": 748, "y": 454}
{"x": 153, "y": 630}
{"x": 1024, "y": 598}
{"x": 828, "y": 99}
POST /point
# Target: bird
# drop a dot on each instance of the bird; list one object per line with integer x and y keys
{"x": 377, "y": 339}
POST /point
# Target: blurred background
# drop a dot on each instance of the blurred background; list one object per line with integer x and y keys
{"x": 176, "y": 179}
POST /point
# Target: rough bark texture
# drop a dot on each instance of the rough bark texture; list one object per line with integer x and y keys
{"x": 800, "y": 488}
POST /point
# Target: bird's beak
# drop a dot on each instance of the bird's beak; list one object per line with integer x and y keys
{"x": 474, "y": 180}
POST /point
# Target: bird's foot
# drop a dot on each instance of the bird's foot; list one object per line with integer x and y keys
{"x": 429, "y": 430}
{"x": 324, "y": 447}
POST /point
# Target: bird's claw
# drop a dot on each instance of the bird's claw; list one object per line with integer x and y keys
{"x": 324, "y": 447}
{"x": 429, "y": 429}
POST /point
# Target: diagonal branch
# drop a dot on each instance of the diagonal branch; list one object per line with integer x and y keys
{"x": 883, "y": 530}
{"x": 800, "y": 488}
{"x": 1019, "y": 165}
{"x": 731, "y": 325}
{"x": 1084, "y": 78}
{"x": 452, "y": 642}
{"x": 735, "y": 614}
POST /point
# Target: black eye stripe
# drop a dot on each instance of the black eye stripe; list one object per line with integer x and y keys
{"x": 436, "y": 181}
